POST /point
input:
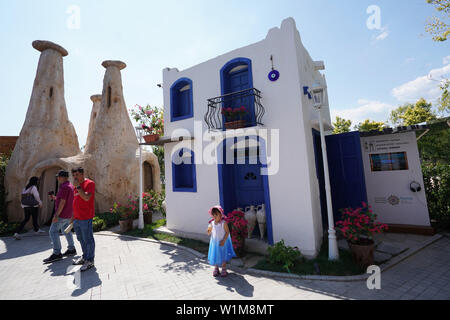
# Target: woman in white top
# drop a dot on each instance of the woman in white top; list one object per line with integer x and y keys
{"x": 31, "y": 211}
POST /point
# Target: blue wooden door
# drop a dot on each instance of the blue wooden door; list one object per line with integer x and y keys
{"x": 237, "y": 82}
{"x": 320, "y": 176}
{"x": 249, "y": 188}
{"x": 348, "y": 187}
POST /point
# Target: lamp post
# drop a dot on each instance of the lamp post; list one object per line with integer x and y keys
{"x": 317, "y": 92}
{"x": 139, "y": 134}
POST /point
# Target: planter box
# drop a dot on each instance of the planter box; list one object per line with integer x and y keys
{"x": 149, "y": 138}
{"x": 236, "y": 124}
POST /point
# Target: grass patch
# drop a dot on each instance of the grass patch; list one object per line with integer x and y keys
{"x": 149, "y": 232}
{"x": 343, "y": 267}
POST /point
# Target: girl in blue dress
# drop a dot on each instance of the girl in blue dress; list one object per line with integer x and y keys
{"x": 220, "y": 246}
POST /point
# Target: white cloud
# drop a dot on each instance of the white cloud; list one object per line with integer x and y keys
{"x": 373, "y": 110}
{"x": 423, "y": 86}
{"x": 446, "y": 60}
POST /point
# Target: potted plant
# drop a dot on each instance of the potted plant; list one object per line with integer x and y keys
{"x": 358, "y": 226}
{"x": 151, "y": 119}
{"x": 238, "y": 229}
{"x": 231, "y": 114}
{"x": 125, "y": 216}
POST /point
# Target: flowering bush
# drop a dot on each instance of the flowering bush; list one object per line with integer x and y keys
{"x": 125, "y": 212}
{"x": 359, "y": 225}
{"x": 151, "y": 119}
{"x": 153, "y": 201}
{"x": 231, "y": 114}
{"x": 238, "y": 228}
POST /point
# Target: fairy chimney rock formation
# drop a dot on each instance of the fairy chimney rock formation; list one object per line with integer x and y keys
{"x": 47, "y": 131}
{"x": 96, "y": 101}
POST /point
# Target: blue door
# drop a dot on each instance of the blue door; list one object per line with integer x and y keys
{"x": 348, "y": 186}
{"x": 320, "y": 176}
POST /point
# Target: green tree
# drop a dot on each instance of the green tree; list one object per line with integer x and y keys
{"x": 409, "y": 114}
{"x": 439, "y": 27}
{"x": 369, "y": 125}
{"x": 444, "y": 100}
{"x": 341, "y": 125}
{"x": 159, "y": 152}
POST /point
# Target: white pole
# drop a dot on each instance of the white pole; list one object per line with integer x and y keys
{"x": 333, "y": 252}
{"x": 141, "y": 204}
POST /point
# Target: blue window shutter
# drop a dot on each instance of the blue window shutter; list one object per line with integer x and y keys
{"x": 181, "y": 102}
{"x": 184, "y": 174}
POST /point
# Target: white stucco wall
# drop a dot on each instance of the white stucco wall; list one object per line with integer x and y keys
{"x": 294, "y": 191}
{"x": 412, "y": 208}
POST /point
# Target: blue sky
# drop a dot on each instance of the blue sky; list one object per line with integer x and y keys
{"x": 369, "y": 72}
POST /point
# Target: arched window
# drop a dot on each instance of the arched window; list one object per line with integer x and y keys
{"x": 181, "y": 102}
{"x": 183, "y": 171}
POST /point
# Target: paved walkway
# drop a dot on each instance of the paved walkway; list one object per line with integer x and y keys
{"x": 135, "y": 269}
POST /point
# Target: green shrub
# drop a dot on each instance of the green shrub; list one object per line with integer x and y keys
{"x": 98, "y": 224}
{"x": 110, "y": 219}
{"x": 4, "y": 158}
{"x": 283, "y": 255}
{"x": 436, "y": 177}
{"x": 7, "y": 229}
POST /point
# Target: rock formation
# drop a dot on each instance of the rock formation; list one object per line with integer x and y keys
{"x": 47, "y": 131}
{"x": 48, "y": 141}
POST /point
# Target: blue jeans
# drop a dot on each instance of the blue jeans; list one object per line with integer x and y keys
{"x": 85, "y": 234}
{"x": 55, "y": 228}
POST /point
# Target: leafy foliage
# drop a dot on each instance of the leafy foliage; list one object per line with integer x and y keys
{"x": 444, "y": 100}
{"x": 341, "y": 125}
{"x": 159, "y": 152}
{"x": 151, "y": 119}
{"x": 4, "y": 158}
{"x": 238, "y": 228}
{"x": 369, "y": 125}
{"x": 409, "y": 114}
{"x": 439, "y": 27}
{"x": 7, "y": 229}
{"x": 437, "y": 185}
{"x": 358, "y": 225}
{"x": 283, "y": 255}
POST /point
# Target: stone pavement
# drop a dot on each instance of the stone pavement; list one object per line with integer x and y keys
{"x": 129, "y": 268}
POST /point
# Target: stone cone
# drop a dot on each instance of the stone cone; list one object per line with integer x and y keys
{"x": 47, "y": 131}
{"x": 96, "y": 100}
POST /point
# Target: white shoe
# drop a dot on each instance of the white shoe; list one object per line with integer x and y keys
{"x": 17, "y": 236}
{"x": 40, "y": 231}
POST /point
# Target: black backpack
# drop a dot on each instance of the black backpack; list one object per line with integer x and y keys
{"x": 29, "y": 200}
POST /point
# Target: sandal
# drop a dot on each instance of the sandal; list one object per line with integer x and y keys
{"x": 216, "y": 272}
{"x": 224, "y": 273}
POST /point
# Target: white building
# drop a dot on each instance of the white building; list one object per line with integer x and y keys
{"x": 279, "y": 129}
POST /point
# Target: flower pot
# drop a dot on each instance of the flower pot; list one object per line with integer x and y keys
{"x": 149, "y": 138}
{"x": 125, "y": 225}
{"x": 250, "y": 216}
{"x": 240, "y": 251}
{"x": 362, "y": 253}
{"x": 261, "y": 217}
{"x": 235, "y": 124}
{"x": 148, "y": 217}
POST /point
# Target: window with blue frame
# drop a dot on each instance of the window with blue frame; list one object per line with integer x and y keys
{"x": 183, "y": 171}
{"x": 181, "y": 101}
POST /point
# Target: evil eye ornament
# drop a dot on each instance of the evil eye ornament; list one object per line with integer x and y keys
{"x": 274, "y": 75}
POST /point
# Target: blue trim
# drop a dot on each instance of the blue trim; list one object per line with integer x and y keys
{"x": 177, "y": 85}
{"x": 305, "y": 92}
{"x": 265, "y": 178}
{"x": 192, "y": 173}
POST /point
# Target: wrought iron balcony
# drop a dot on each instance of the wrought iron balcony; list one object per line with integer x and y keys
{"x": 248, "y": 98}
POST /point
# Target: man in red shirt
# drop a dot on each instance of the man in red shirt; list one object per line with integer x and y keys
{"x": 83, "y": 214}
